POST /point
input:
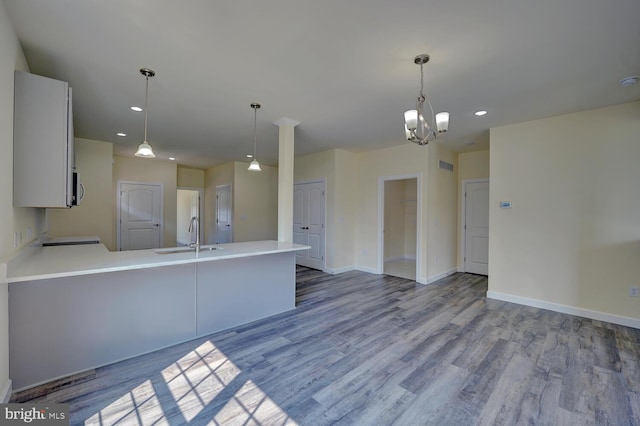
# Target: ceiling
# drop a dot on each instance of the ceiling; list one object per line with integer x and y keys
{"x": 344, "y": 69}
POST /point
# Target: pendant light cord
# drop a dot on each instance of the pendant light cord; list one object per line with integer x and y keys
{"x": 255, "y": 142}
{"x": 146, "y": 94}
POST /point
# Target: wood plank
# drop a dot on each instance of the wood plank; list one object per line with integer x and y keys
{"x": 370, "y": 349}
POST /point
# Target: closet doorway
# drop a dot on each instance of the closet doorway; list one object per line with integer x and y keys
{"x": 400, "y": 227}
{"x": 188, "y": 206}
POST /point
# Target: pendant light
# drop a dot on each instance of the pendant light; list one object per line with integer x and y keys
{"x": 420, "y": 125}
{"x": 144, "y": 149}
{"x": 254, "y": 166}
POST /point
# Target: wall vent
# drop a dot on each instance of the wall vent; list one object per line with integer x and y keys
{"x": 446, "y": 166}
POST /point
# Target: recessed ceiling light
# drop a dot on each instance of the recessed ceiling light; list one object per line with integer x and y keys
{"x": 172, "y": 158}
{"x": 480, "y": 113}
{"x": 629, "y": 81}
{"x": 136, "y": 108}
{"x": 121, "y": 134}
{"x": 249, "y": 155}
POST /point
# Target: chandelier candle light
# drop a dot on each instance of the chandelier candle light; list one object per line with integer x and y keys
{"x": 254, "y": 166}
{"x": 422, "y": 126}
{"x": 144, "y": 149}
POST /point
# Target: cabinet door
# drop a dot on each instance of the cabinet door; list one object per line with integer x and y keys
{"x": 42, "y": 155}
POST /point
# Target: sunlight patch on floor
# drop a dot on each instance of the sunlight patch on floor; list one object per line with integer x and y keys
{"x": 251, "y": 406}
{"x": 140, "y": 406}
{"x": 198, "y": 377}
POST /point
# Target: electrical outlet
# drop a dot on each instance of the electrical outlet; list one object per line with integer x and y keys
{"x": 634, "y": 291}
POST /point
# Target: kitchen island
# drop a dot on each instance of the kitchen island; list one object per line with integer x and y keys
{"x": 74, "y": 308}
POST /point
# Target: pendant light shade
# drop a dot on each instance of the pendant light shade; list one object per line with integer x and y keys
{"x": 144, "y": 149}
{"x": 254, "y": 166}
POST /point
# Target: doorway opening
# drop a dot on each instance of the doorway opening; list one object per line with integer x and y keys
{"x": 189, "y": 205}
{"x": 400, "y": 199}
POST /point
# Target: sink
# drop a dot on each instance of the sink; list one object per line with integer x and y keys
{"x": 175, "y": 250}
{"x": 210, "y": 247}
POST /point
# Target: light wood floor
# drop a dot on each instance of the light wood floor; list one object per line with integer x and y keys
{"x": 364, "y": 349}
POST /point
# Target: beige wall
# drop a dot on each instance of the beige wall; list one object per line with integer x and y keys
{"x": 405, "y": 159}
{"x": 471, "y": 165}
{"x": 190, "y": 178}
{"x": 572, "y": 236}
{"x": 215, "y": 176}
{"x": 11, "y": 219}
{"x": 255, "y": 201}
{"x": 337, "y": 168}
{"x": 94, "y": 215}
{"x": 442, "y": 213}
{"x": 410, "y": 218}
{"x": 255, "y": 204}
{"x": 150, "y": 171}
{"x": 394, "y": 219}
{"x": 343, "y": 217}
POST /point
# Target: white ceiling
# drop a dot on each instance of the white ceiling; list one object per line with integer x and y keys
{"x": 344, "y": 69}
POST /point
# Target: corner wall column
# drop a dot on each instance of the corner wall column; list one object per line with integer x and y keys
{"x": 285, "y": 177}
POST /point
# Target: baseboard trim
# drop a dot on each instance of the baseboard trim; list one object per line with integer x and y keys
{"x": 442, "y": 275}
{"x": 339, "y": 270}
{"x": 566, "y": 309}
{"x": 366, "y": 269}
{"x": 5, "y": 396}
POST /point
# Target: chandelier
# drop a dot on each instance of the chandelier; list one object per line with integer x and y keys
{"x": 420, "y": 125}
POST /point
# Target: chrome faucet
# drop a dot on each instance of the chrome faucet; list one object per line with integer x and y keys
{"x": 195, "y": 225}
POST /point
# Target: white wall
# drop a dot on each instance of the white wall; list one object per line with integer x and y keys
{"x": 572, "y": 237}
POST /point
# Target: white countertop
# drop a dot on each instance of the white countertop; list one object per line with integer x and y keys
{"x": 36, "y": 263}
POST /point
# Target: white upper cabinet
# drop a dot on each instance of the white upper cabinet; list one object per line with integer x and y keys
{"x": 43, "y": 157}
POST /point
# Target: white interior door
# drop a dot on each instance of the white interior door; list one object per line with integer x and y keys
{"x": 476, "y": 227}
{"x": 140, "y": 224}
{"x": 224, "y": 214}
{"x": 308, "y": 223}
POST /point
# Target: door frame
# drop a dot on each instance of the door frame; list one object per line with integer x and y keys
{"x": 200, "y": 207}
{"x": 381, "y": 181}
{"x": 324, "y": 228}
{"x": 118, "y": 207}
{"x": 463, "y": 218}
